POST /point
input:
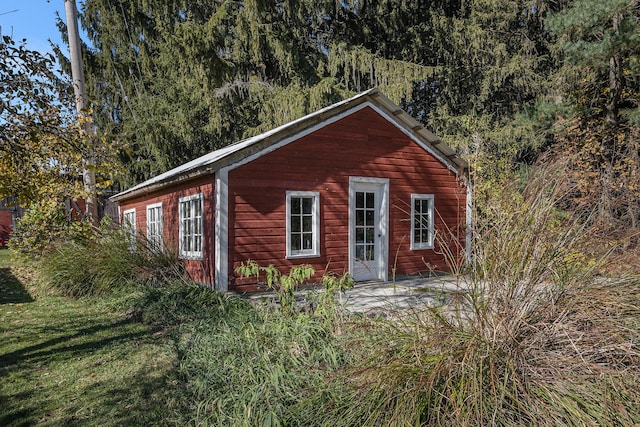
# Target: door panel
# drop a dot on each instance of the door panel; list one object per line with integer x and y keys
{"x": 367, "y": 238}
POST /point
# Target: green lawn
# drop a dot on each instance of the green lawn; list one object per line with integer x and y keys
{"x": 78, "y": 362}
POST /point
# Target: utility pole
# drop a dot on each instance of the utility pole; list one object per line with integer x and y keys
{"x": 77, "y": 75}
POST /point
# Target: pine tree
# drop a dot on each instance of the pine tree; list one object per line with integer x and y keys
{"x": 600, "y": 84}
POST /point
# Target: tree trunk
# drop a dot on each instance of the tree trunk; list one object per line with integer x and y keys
{"x": 77, "y": 74}
{"x": 616, "y": 78}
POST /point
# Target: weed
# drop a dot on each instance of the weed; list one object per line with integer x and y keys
{"x": 283, "y": 284}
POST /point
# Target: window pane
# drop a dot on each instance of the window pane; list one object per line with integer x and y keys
{"x": 370, "y": 254}
{"x": 307, "y": 223}
{"x": 370, "y": 200}
{"x": 295, "y": 224}
{"x": 359, "y": 199}
{"x": 295, "y": 205}
{"x": 296, "y": 242}
{"x": 369, "y": 235}
{"x": 359, "y": 235}
{"x": 307, "y": 205}
{"x": 359, "y": 251}
{"x": 360, "y": 217}
{"x": 424, "y": 220}
{"x": 307, "y": 240}
{"x": 425, "y": 206}
{"x": 370, "y": 216}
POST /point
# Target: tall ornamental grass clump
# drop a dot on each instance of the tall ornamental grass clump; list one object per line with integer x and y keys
{"x": 104, "y": 259}
{"x": 536, "y": 337}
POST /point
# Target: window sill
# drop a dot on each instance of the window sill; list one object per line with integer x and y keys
{"x": 422, "y": 248}
{"x": 302, "y": 256}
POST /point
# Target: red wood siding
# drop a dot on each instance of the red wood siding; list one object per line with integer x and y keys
{"x": 6, "y": 226}
{"x": 200, "y": 270}
{"x": 362, "y": 144}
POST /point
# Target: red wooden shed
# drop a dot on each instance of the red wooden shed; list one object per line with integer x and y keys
{"x": 359, "y": 187}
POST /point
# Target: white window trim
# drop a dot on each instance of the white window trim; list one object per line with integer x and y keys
{"x": 197, "y": 255}
{"x": 315, "y": 227}
{"x": 130, "y": 226}
{"x": 419, "y": 245}
{"x": 160, "y": 222}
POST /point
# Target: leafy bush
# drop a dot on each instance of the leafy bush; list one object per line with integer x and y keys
{"x": 43, "y": 225}
{"x": 536, "y": 338}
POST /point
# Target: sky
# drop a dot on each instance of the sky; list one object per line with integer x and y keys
{"x": 34, "y": 20}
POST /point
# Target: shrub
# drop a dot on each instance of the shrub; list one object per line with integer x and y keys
{"x": 43, "y": 225}
{"x": 283, "y": 284}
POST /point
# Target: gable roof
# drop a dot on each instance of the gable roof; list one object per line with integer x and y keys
{"x": 239, "y": 151}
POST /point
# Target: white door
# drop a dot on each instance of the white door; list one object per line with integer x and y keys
{"x": 368, "y": 206}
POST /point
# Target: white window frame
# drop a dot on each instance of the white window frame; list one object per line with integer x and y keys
{"x": 129, "y": 223}
{"x": 155, "y": 240}
{"x": 422, "y": 245}
{"x": 315, "y": 226}
{"x": 191, "y": 254}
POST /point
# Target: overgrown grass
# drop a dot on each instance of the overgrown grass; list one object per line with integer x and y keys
{"x": 242, "y": 364}
{"x": 177, "y": 354}
{"x": 105, "y": 260}
{"x": 536, "y": 339}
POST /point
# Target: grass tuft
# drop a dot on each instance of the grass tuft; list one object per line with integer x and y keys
{"x": 105, "y": 261}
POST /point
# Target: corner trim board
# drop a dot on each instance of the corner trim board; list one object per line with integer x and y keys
{"x": 221, "y": 237}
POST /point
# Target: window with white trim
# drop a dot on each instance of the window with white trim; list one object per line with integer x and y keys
{"x": 422, "y": 229}
{"x": 154, "y": 226}
{"x": 303, "y": 224}
{"x": 129, "y": 224}
{"x": 191, "y": 226}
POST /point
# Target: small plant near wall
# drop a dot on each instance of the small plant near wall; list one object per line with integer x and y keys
{"x": 334, "y": 286}
{"x": 283, "y": 284}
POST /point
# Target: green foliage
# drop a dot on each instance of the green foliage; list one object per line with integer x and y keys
{"x": 334, "y": 285}
{"x": 240, "y": 364}
{"x": 599, "y": 43}
{"x": 256, "y": 367}
{"x": 42, "y": 145}
{"x": 177, "y": 302}
{"x": 283, "y": 284}
{"x": 42, "y": 227}
{"x": 324, "y": 303}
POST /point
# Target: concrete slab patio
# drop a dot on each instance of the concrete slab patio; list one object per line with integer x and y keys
{"x": 375, "y": 297}
{"x": 403, "y": 294}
